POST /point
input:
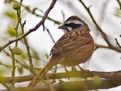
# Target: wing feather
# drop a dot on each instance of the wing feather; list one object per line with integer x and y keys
{"x": 68, "y": 42}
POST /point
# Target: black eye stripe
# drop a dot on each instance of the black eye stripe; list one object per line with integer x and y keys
{"x": 72, "y": 25}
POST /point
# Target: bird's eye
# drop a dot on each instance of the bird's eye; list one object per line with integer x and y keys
{"x": 67, "y": 25}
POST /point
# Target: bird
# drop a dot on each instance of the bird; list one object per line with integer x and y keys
{"x": 74, "y": 47}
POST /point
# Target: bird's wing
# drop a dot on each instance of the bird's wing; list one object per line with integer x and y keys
{"x": 67, "y": 43}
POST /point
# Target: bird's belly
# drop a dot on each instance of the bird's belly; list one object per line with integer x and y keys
{"x": 77, "y": 56}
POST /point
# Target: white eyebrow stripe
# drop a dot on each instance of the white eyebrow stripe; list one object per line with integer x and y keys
{"x": 76, "y": 22}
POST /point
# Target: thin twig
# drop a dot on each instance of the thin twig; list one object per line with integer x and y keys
{"x": 16, "y": 28}
{"x": 26, "y": 43}
{"x": 44, "y": 28}
{"x": 19, "y": 19}
{"x": 117, "y": 43}
{"x": 27, "y": 48}
{"x": 101, "y": 46}
{"x": 6, "y": 65}
{"x": 105, "y": 37}
{"x": 13, "y": 64}
{"x": 34, "y": 13}
{"x": 89, "y": 12}
{"x": 19, "y": 62}
{"x": 33, "y": 29}
{"x": 50, "y": 35}
{"x": 7, "y": 87}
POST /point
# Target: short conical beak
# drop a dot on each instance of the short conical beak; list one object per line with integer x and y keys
{"x": 62, "y": 27}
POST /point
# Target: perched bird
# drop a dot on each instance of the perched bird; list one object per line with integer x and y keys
{"x": 74, "y": 47}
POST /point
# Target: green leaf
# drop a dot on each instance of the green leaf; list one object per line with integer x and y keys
{"x": 17, "y": 51}
{"x": 96, "y": 80}
{"x": 11, "y": 15}
{"x": 11, "y": 30}
{"x": 20, "y": 69}
{"x": 117, "y": 12}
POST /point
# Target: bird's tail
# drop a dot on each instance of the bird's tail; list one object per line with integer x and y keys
{"x": 40, "y": 75}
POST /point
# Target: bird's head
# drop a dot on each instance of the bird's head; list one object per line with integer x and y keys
{"x": 71, "y": 23}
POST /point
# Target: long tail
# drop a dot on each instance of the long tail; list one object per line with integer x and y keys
{"x": 40, "y": 75}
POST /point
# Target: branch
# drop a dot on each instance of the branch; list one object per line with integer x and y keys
{"x": 67, "y": 86}
{"x": 108, "y": 79}
{"x": 107, "y": 47}
{"x": 34, "y": 28}
{"x": 113, "y": 76}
